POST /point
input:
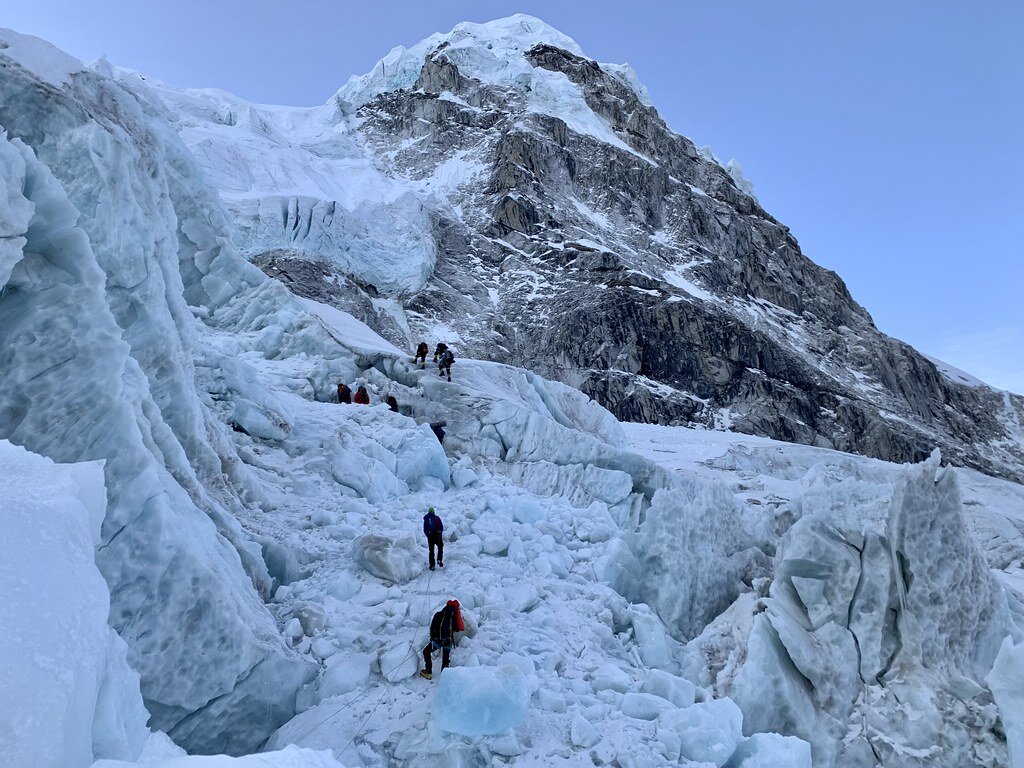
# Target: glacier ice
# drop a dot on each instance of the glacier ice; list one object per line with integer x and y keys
{"x": 706, "y": 732}
{"x": 476, "y": 701}
{"x": 395, "y": 560}
{"x": 771, "y": 750}
{"x": 289, "y": 757}
{"x": 1006, "y": 679}
{"x": 872, "y": 627}
{"x": 69, "y": 696}
{"x": 95, "y": 346}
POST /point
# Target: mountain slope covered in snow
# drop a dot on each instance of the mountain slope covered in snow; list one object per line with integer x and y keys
{"x": 634, "y": 594}
{"x": 495, "y": 187}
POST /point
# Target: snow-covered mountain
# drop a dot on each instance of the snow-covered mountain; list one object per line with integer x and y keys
{"x": 634, "y": 594}
{"x": 495, "y": 187}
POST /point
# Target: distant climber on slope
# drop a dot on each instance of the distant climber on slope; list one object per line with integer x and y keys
{"x": 439, "y": 350}
{"x": 444, "y": 364}
{"x": 443, "y": 627}
{"x": 344, "y": 394}
{"x": 392, "y": 403}
{"x": 362, "y": 396}
{"x": 433, "y": 529}
{"x": 421, "y": 354}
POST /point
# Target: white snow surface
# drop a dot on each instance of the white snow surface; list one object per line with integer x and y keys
{"x": 46, "y": 62}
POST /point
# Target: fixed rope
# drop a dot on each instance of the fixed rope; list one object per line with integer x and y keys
{"x": 359, "y": 694}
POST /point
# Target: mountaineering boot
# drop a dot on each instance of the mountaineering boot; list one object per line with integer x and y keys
{"x": 425, "y": 675}
{"x": 440, "y": 564}
{"x": 449, "y": 377}
{"x": 432, "y": 567}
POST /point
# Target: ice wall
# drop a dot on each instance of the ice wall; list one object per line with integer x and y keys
{"x": 96, "y": 344}
{"x": 69, "y": 695}
{"x": 876, "y": 638}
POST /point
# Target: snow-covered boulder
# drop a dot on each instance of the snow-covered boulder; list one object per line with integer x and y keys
{"x": 680, "y": 692}
{"x": 397, "y": 560}
{"x": 707, "y": 732}
{"x": 771, "y": 750}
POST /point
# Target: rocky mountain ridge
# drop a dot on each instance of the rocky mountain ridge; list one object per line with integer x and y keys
{"x": 530, "y": 206}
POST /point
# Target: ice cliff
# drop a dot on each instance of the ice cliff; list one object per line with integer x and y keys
{"x": 634, "y": 594}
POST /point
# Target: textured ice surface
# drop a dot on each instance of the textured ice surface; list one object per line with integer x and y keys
{"x": 707, "y": 732}
{"x": 395, "y": 560}
{"x": 863, "y": 624}
{"x": 770, "y": 750}
{"x": 476, "y": 701}
{"x": 1006, "y": 679}
{"x": 96, "y": 342}
{"x": 68, "y": 694}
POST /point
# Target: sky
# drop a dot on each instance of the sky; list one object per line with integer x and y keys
{"x": 886, "y": 135}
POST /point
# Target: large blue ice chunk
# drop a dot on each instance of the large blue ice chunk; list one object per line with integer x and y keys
{"x": 480, "y": 701}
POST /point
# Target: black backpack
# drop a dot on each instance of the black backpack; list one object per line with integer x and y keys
{"x": 442, "y": 626}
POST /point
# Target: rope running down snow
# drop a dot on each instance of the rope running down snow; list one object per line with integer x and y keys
{"x": 347, "y": 704}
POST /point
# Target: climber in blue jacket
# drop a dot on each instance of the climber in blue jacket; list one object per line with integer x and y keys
{"x": 432, "y": 529}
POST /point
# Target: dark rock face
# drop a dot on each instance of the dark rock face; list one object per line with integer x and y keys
{"x": 640, "y": 272}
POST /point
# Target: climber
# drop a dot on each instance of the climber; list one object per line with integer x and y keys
{"x": 392, "y": 403}
{"x": 436, "y": 428}
{"x": 421, "y": 354}
{"x": 433, "y": 529}
{"x": 444, "y": 365}
{"x": 439, "y": 350}
{"x": 362, "y": 396}
{"x": 344, "y": 394}
{"x": 443, "y": 627}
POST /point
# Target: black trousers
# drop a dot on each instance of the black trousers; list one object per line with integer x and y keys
{"x": 435, "y": 539}
{"x": 446, "y": 656}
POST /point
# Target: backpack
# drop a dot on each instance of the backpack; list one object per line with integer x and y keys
{"x": 445, "y": 624}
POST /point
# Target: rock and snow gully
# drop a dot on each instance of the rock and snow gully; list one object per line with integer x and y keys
{"x": 172, "y": 465}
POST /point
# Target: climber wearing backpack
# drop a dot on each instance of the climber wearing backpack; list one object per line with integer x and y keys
{"x": 433, "y": 529}
{"x": 439, "y": 350}
{"x": 362, "y": 396}
{"x": 344, "y": 394}
{"x": 421, "y": 354}
{"x": 443, "y": 627}
{"x": 444, "y": 365}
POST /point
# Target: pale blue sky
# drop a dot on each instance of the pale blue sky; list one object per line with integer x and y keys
{"x": 887, "y": 135}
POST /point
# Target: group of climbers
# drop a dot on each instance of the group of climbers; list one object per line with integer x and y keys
{"x": 443, "y": 356}
{"x": 448, "y": 620}
{"x": 362, "y": 397}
